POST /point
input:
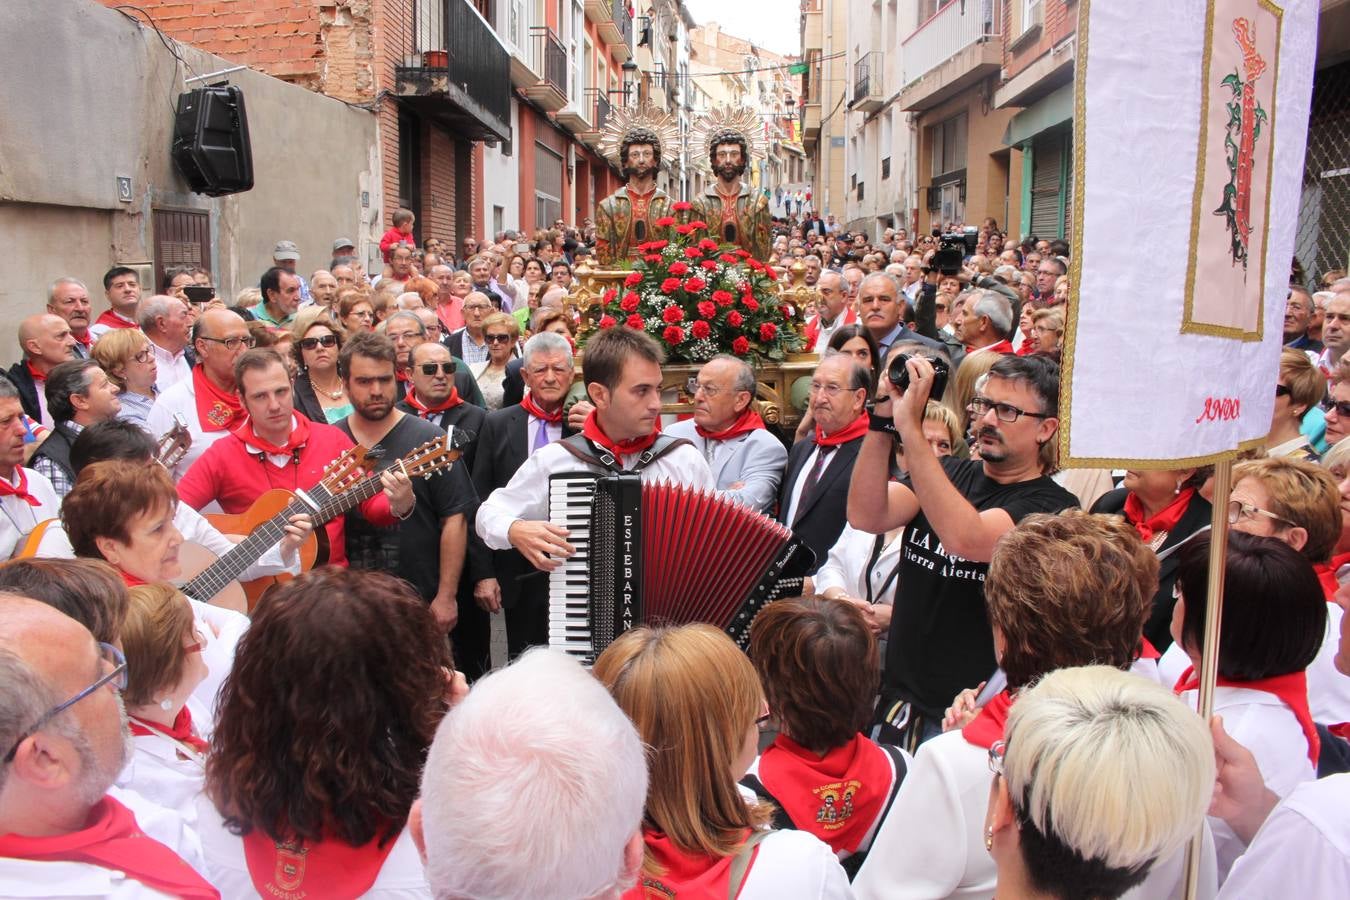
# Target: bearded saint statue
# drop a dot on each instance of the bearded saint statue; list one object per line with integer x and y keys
{"x": 735, "y": 212}
{"x": 626, "y": 218}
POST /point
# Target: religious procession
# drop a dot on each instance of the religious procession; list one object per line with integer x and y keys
{"x": 706, "y": 529}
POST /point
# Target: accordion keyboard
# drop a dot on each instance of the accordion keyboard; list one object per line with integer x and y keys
{"x": 569, "y": 505}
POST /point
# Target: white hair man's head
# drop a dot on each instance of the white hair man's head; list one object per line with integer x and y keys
{"x": 534, "y": 787}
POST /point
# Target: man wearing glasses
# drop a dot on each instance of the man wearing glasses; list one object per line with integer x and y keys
{"x": 408, "y": 332}
{"x": 208, "y": 401}
{"x": 64, "y": 742}
{"x": 814, "y": 494}
{"x": 746, "y": 460}
{"x": 955, "y": 510}
{"x": 469, "y": 343}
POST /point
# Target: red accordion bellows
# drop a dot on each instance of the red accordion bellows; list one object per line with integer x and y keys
{"x": 662, "y": 554}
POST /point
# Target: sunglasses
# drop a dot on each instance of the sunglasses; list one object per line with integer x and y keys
{"x": 328, "y": 340}
{"x": 446, "y": 368}
{"x": 497, "y": 338}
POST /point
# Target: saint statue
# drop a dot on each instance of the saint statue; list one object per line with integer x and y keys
{"x": 634, "y": 139}
{"x": 735, "y": 212}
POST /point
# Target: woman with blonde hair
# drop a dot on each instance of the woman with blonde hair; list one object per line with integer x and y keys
{"x": 163, "y": 646}
{"x": 1060, "y": 824}
{"x": 696, "y": 701}
{"x": 126, "y": 356}
{"x": 501, "y": 332}
{"x": 355, "y": 311}
{"x": 961, "y": 387}
{"x": 1048, "y": 329}
{"x": 1300, "y": 388}
{"x": 315, "y": 342}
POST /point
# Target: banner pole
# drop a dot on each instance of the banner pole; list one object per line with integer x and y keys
{"x": 1209, "y": 659}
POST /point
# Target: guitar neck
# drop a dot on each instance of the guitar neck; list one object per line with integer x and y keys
{"x": 247, "y": 552}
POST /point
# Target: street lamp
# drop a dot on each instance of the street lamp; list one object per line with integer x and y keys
{"x": 629, "y": 77}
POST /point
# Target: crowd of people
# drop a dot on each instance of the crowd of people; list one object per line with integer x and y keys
{"x": 983, "y": 690}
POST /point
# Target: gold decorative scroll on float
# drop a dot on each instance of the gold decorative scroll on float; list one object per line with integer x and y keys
{"x": 774, "y": 379}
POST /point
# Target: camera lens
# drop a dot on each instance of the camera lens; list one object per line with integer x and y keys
{"x": 898, "y": 373}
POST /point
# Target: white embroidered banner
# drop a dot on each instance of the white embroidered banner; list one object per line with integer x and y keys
{"x": 1190, "y": 124}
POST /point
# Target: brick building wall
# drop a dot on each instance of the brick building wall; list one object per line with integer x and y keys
{"x": 1059, "y": 21}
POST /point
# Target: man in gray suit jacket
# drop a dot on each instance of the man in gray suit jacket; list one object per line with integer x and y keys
{"x": 746, "y": 459}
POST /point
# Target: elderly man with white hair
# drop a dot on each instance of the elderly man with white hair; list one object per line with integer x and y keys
{"x": 985, "y": 323}
{"x": 534, "y": 787}
{"x": 168, "y": 324}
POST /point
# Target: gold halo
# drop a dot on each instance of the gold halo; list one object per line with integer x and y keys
{"x": 623, "y": 119}
{"x": 740, "y": 119}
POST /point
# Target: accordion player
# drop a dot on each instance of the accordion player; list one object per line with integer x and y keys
{"x": 657, "y": 553}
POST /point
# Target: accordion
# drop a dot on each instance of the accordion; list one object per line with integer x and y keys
{"x": 662, "y": 554}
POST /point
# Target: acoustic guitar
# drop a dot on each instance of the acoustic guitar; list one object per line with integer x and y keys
{"x": 346, "y": 483}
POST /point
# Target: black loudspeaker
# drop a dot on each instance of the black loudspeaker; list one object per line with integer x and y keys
{"x": 210, "y": 141}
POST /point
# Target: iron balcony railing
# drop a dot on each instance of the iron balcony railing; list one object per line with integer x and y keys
{"x": 602, "y": 108}
{"x": 867, "y": 73}
{"x": 448, "y": 38}
{"x": 552, "y": 57}
{"x": 623, "y": 20}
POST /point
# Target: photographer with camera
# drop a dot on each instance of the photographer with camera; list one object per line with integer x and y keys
{"x": 940, "y": 641}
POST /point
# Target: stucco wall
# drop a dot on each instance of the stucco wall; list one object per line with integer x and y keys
{"x": 89, "y": 96}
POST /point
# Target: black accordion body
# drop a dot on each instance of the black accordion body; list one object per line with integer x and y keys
{"x": 661, "y": 554}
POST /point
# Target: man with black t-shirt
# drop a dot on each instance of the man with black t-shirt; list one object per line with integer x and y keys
{"x": 940, "y": 640}
{"x": 427, "y": 547}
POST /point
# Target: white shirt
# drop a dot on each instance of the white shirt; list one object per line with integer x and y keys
{"x": 795, "y": 864}
{"x": 18, "y": 517}
{"x": 181, "y": 399}
{"x": 846, "y": 566}
{"x": 21, "y": 878}
{"x": 170, "y": 368}
{"x": 401, "y": 878}
{"x": 1259, "y": 721}
{"x": 1328, "y": 689}
{"x": 1302, "y": 850}
{"x": 158, "y": 771}
{"x": 99, "y": 330}
{"x": 526, "y": 495}
{"x": 802, "y": 474}
{"x": 931, "y": 843}
{"x": 221, "y": 629}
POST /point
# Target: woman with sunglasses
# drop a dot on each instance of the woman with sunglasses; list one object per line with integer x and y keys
{"x": 319, "y": 393}
{"x": 1300, "y": 388}
{"x": 1064, "y": 817}
{"x": 130, "y": 365}
{"x": 697, "y": 703}
{"x": 163, "y": 645}
{"x": 500, "y": 332}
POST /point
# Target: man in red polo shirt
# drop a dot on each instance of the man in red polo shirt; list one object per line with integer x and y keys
{"x": 275, "y": 447}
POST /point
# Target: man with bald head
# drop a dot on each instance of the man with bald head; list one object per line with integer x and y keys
{"x": 64, "y": 740}
{"x": 746, "y": 460}
{"x": 69, "y": 299}
{"x": 46, "y": 342}
{"x": 207, "y": 401}
{"x": 832, "y": 311}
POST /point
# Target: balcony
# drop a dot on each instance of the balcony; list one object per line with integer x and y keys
{"x": 956, "y": 48}
{"x": 451, "y": 68}
{"x": 549, "y": 93}
{"x": 524, "y": 66}
{"x": 812, "y": 29}
{"x": 600, "y": 110}
{"x": 811, "y": 122}
{"x": 576, "y": 117}
{"x": 619, "y": 33}
{"x": 868, "y": 73}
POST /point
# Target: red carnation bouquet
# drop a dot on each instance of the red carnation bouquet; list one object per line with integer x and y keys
{"x": 700, "y": 298}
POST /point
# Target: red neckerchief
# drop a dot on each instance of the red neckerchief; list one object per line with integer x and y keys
{"x": 402, "y": 376}
{"x": 1003, "y": 346}
{"x": 181, "y": 730}
{"x": 838, "y": 796}
{"x": 1326, "y": 573}
{"x": 746, "y": 422}
{"x": 86, "y": 342}
{"x": 1147, "y": 650}
{"x": 1028, "y": 347}
{"x": 131, "y": 580}
{"x": 217, "y": 408}
{"x": 1165, "y": 520}
{"x": 987, "y": 727}
{"x": 328, "y": 868}
{"x": 1292, "y": 689}
{"x": 297, "y": 438}
{"x": 553, "y": 418}
{"x": 596, "y": 435}
{"x": 113, "y": 840}
{"x": 33, "y": 373}
{"x": 682, "y": 874}
{"x": 855, "y": 429}
{"x": 427, "y": 412}
{"x": 19, "y": 490}
{"x": 113, "y": 320}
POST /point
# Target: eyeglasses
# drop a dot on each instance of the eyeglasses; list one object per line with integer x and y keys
{"x": 1341, "y": 408}
{"x": 1006, "y": 412}
{"x": 997, "y": 750}
{"x": 497, "y": 338}
{"x": 328, "y": 340}
{"x": 709, "y": 390}
{"x": 362, "y": 314}
{"x": 117, "y": 676}
{"x": 829, "y": 390}
{"x": 231, "y": 344}
{"x": 764, "y": 722}
{"x": 198, "y": 641}
{"x": 446, "y": 368}
{"x": 144, "y": 356}
{"x": 1238, "y": 510}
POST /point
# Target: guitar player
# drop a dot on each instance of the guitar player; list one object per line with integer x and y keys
{"x": 275, "y": 447}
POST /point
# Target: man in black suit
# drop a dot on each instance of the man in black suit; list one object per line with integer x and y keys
{"x": 508, "y": 436}
{"x": 813, "y": 500}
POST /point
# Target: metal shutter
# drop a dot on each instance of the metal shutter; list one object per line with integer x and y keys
{"x": 1047, "y": 161}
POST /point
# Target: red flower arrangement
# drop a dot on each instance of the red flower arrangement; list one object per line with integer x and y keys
{"x": 697, "y": 316}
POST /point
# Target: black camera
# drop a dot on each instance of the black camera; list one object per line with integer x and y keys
{"x": 899, "y": 375}
{"x": 953, "y": 248}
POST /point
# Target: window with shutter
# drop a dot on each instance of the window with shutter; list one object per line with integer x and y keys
{"x": 1047, "y": 162}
